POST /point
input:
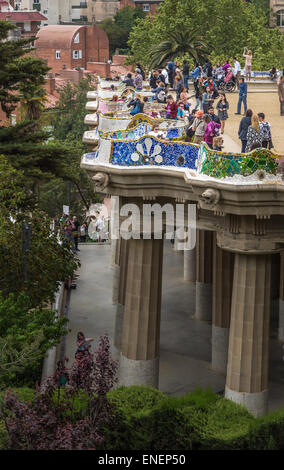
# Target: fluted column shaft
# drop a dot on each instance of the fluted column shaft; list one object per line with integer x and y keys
{"x": 204, "y": 251}
{"x": 281, "y": 299}
{"x": 123, "y": 260}
{"x": 247, "y": 371}
{"x": 116, "y": 270}
{"x": 141, "y": 323}
{"x": 223, "y": 264}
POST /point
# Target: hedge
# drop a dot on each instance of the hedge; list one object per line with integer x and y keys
{"x": 144, "y": 418}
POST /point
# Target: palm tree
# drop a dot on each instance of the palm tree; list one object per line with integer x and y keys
{"x": 177, "y": 44}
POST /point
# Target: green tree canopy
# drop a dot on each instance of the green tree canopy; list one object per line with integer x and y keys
{"x": 20, "y": 77}
{"x": 227, "y": 26}
{"x": 119, "y": 27}
{"x": 48, "y": 262}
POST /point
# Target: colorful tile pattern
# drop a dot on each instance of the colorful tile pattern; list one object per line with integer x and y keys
{"x": 151, "y": 151}
{"x": 221, "y": 164}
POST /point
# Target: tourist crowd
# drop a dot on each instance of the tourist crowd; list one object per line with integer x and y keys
{"x": 204, "y": 122}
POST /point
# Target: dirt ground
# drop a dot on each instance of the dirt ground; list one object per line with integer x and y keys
{"x": 268, "y": 103}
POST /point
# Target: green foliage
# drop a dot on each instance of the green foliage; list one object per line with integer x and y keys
{"x": 177, "y": 44}
{"x": 47, "y": 261}
{"x": 67, "y": 120}
{"x": 146, "y": 419}
{"x": 119, "y": 28}
{"x": 199, "y": 421}
{"x": 13, "y": 194}
{"x": 20, "y": 78}
{"x": 227, "y": 26}
{"x": 25, "y": 335}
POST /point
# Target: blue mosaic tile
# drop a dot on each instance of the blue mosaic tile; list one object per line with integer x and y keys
{"x": 151, "y": 151}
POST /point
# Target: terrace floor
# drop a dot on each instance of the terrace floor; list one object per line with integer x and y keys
{"x": 185, "y": 352}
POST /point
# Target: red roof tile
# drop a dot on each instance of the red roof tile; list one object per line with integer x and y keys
{"x": 20, "y": 16}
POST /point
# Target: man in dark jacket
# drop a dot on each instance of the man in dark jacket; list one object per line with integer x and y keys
{"x": 129, "y": 80}
{"x": 185, "y": 73}
{"x": 243, "y": 129}
{"x": 213, "y": 116}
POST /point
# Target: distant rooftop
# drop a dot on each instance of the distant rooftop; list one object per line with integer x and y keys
{"x": 19, "y": 16}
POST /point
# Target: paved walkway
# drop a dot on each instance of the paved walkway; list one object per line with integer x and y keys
{"x": 185, "y": 353}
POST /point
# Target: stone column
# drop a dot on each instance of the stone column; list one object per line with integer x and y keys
{"x": 275, "y": 275}
{"x": 124, "y": 247}
{"x": 204, "y": 248}
{"x": 139, "y": 360}
{"x": 189, "y": 265}
{"x": 223, "y": 264}
{"x": 281, "y": 299}
{"x": 247, "y": 372}
{"x": 116, "y": 271}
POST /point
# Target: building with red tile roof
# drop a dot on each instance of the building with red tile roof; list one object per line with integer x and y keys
{"x": 71, "y": 46}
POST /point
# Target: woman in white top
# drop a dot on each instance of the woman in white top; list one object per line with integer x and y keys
{"x": 248, "y": 55}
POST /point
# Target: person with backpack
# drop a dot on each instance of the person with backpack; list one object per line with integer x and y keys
{"x": 208, "y": 68}
{"x": 266, "y": 130}
{"x": 243, "y": 129}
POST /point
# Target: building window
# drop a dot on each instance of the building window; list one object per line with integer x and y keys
{"x": 280, "y": 18}
{"x": 57, "y": 55}
{"x": 77, "y": 38}
{"x": 146, "y": 7}
{"x": 77, "y": 54}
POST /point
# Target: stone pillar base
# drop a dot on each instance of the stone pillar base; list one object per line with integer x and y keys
{"x": 190, "y": 265}
{"x": 256, "y": 403}
{"x": 281, "y": 320}
{"x": 118, "y": 326}
{"x": 203, "y": 309}
{"x": 115, "y": 283}
{"x": 137, "y": 372}
{"x": 220, "y": 345}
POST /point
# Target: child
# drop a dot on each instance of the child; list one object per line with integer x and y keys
{"x": 217, "y": 143}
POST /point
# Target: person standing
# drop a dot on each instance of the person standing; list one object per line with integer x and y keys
{"x": 171, "y": 70}
{"x": 243, "y": 90}
{"x": 195, "y": 75}
{"x": 75, "y": 231}
{"x": 237, "y": 71}
{"x": 207, "y": 99}
{"x": 199, "y": 126}
{"x": 83, "y": 345}
{"x": 138, "y": 80}
{"x": 243, "y": 129}
{"x": 248, "y": 55}
{"x": 185, "y": 72}
{"x": 83, "y": 233}
{"x": 254, "y": 135}
{"x": 281, "y": 94}
{"x": 266, "y": 130}
{"x": 222, "y": 107}
{"x": 179, "y": 86}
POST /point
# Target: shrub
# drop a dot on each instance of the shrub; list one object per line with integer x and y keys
{"x": 51, "y": 421}
{"x": 267, "y": 432}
